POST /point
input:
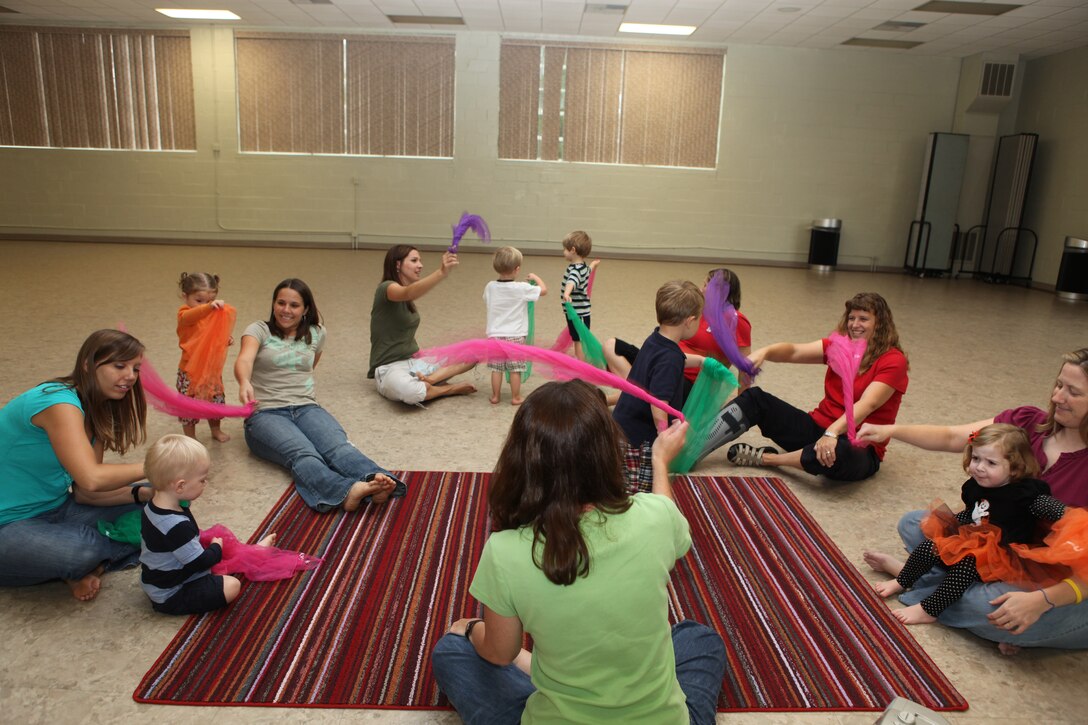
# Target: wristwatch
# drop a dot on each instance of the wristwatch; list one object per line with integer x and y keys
{"x": 468, "y": 628}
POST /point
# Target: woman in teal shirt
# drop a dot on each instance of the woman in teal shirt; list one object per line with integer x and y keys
{"x": 55, "y": 486}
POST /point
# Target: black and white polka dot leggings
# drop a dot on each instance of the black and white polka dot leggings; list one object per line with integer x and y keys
{"x": 960, "y": 575}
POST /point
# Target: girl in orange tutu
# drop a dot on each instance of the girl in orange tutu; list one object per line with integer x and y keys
{"x": 204, "y": 333}
{"x": 1004, "y": 504}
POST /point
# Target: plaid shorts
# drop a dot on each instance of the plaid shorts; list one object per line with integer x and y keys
{"x": 509, "y": 366}
{"x": 638, "y": 467}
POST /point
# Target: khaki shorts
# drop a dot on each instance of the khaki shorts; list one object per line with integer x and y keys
{"x": 398, "y": 380}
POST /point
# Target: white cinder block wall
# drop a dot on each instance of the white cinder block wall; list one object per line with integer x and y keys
{"x": 804, "y": 134}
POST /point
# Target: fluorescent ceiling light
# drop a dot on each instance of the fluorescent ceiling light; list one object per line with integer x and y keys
{"x": 197, "y": 14}
{"x": 657, "y": 29}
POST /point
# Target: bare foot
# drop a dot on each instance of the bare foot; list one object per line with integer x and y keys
{"x": 888, "y": 588}
{"x": 884, "y": 563}
{"x": 269, "y": 540}
{"x": 494, "y": 400}
{"x": 358, "y": 491}
{"x": 86, "y": 588}
{"x": 517, "y": 401}
{"x": 379, "y": 488}
{"x": 1008, "y": 649}
{"x": 219, "y": 435}
{"x": 388, "y": 486}
{"x": 913, "y": 615}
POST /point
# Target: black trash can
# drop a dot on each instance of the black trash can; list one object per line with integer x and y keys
{"x": 1073, "y": 274}
{"x": 823, "y": 244}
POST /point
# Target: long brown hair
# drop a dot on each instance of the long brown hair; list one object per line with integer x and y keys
{"x": 118, "y": 424}
{"x": 310, "y": 316}
{"x": 562, "y": 455}
{"x": 390, "y": 273}
{"x": 1077, "y": 358}
{"x": 885, "y": 336}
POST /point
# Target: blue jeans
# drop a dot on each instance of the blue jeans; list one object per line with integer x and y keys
{"x": 309, "y": 442}
{"x": 487, "y": 694}
{"x": 62, "y": 544}
{"x": 1061, "y": 628}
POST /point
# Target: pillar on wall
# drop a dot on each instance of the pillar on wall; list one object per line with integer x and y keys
{"x": 986, "y": 105}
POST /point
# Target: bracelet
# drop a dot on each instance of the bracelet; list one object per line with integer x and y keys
{"x": 1076, "y": 590}
{"x": 468, "y": 628}
{"x": 1043, "y": 592}
{"x": 136, "y": 493}
{"x": 829, "y": 434}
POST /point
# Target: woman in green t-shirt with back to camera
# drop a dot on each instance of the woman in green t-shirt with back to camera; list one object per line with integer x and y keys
{"x": 582, "y": 567}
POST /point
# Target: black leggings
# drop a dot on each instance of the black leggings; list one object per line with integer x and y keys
{"x": 793, "y": 429}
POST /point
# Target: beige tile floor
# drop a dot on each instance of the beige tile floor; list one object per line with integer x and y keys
{"x": 974, "y": 348}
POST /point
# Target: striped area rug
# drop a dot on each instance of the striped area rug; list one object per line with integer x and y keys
{"x": 802, "y": 628}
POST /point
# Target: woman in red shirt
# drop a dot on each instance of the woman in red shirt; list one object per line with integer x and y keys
{"x": 816, "y": 441}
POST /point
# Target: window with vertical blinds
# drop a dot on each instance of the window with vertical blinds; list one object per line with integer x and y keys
{"x": 103, "y": 89}
{"x": 368, "y": 95}
{"x": 605, "y": 104}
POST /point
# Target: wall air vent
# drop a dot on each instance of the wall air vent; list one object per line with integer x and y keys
{"x": 994, "y": 88}
{"x": 997, "y": 79}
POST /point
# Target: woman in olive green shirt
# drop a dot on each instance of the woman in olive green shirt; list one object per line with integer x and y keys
{"x": 393, "y": 324}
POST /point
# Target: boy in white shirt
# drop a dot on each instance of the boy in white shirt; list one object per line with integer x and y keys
{"x": 507, "y": 303}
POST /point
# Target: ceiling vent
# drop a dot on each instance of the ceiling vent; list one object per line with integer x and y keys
{"x": 994, "y": 87}
{"x": 899, "y": 26}
{"x": 425, "y": 19}
{"x": 882, "y": 43}
{"x": 605, "y": 9}
{"x": 965, "y": 8}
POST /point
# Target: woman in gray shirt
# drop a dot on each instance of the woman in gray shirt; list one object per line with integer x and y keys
{"x": 275, "y": 371}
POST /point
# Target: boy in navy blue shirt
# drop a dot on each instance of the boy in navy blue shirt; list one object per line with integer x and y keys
{"x": 659, "y": 367}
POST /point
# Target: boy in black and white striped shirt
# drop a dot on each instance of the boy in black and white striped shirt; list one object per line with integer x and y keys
{"x": 576, "y": 247}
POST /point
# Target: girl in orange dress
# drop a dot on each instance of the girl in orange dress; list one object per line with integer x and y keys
{"x": 984, "y": 542}
{"x": 204, "y": 333}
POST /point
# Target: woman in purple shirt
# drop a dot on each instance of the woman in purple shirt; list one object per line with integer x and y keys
{"x": 1059, "y": 439}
